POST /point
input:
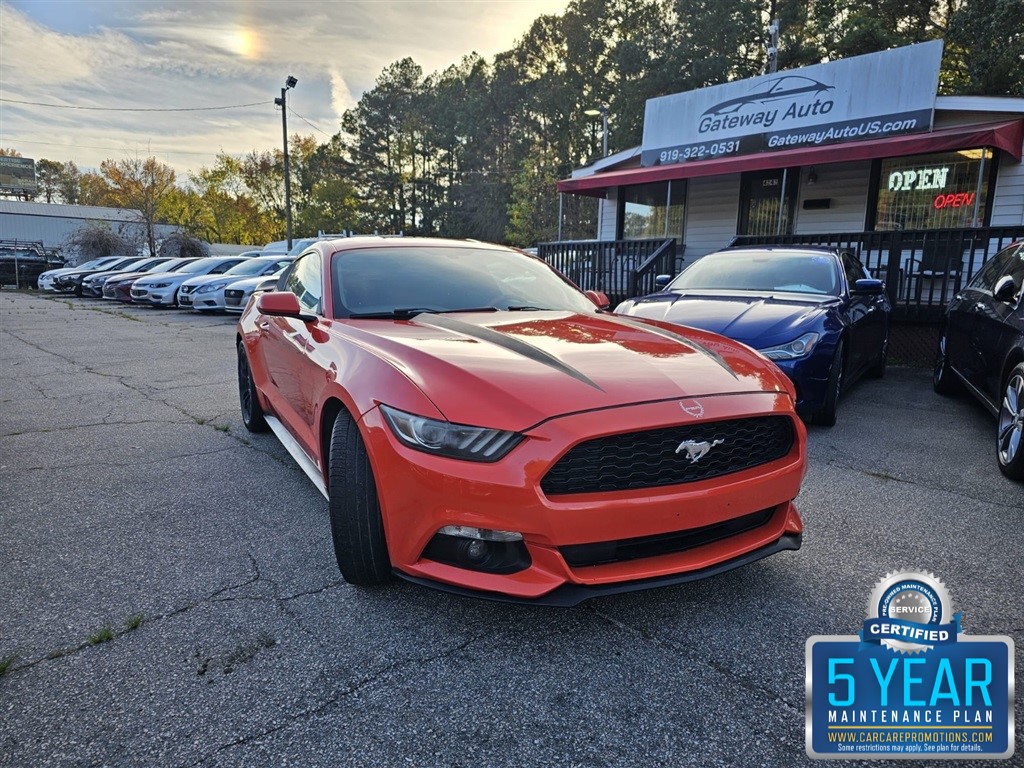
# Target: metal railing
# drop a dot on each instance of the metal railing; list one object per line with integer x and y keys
{"x": 620, "y": 268}
{"x": 922, "y": 269}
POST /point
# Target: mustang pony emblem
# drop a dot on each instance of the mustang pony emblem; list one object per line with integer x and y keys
{"x": 696, "y": 451}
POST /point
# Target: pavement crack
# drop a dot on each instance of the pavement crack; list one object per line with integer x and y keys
{"x": 114, "y": 634}
{"x": 339, "y": 696}
{"x": 722, "y": 669}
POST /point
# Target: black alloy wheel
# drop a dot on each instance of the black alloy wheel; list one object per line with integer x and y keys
{"x": 252, "y": 411}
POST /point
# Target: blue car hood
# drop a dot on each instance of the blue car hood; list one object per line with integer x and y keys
{"x": 758, "y": 320}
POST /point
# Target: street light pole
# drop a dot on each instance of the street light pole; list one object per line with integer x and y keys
{"x": 282, "y": 102}
{"x": 603, "y": 112}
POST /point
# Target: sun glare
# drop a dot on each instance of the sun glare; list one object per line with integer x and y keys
{"x": 244, "y": 42}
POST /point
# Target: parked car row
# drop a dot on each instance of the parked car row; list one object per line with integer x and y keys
{"x": 187, "y": 283}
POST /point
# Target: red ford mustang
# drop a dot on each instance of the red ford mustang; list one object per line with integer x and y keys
{"x": 479, "y": 425}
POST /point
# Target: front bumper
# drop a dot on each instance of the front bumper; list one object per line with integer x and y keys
{"x": 155, "y": 296}
{"x": 421, "y": 493}
{"x": 810, "y": 377}
{"x": 208, "y": 302}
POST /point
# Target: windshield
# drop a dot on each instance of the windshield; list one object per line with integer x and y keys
{"x": 385, "y": 281}
{"x": 199, "y": 266}
{"x": 761, "y": 271}
{"x": 250, "y": 267}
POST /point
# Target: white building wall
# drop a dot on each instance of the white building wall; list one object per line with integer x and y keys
{"x": 607, "y": 212}
{"x": 845, "y": 186}
{"x": 712, "y": 206}
{"x": 1008, "y": 202}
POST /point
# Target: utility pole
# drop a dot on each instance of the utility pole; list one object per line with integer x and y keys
{"x": 773, "y": 41}
{"x": 282, "y": 102}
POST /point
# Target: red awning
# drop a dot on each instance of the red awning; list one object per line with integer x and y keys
{"x": 1008, "y": 136}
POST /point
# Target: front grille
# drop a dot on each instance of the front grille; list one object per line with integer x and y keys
{"x": 188, "y": 288}
{"x": 659, "y": 457}
{"x": 233, "y": 298}
{"x": 582, "y": 555}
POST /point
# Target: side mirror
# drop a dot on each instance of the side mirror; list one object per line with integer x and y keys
{"x": 662, "y": 280}
{"x": 1005, "y": 289}
{"x": 282, "y": 304}
{"x": 600, "y": 299}
{"x": 868, "y": 287}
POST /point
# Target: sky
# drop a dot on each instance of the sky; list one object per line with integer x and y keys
{"x": 159, "y": 54}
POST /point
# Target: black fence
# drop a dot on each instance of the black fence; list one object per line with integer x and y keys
{"x": 620, "y": 268}
{"x": 922, "y": 269}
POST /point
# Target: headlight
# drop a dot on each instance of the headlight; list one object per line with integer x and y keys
{"x": 157, "y": 285}
{"x": 211, "y": 287}
{"x": 797, "y": 348}
{"x": 457, "y": 441}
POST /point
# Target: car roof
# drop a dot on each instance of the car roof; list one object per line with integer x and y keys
{"x": 786, "y": 250}
{"x": 386, "y": 241}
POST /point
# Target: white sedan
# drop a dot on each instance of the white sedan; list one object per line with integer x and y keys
{"x": 161, "y": 290}
{"x": 236, "y": 295}
{"x": 206, "y": 293}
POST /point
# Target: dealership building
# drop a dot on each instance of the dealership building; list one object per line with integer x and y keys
{"x": 860, "y": 153}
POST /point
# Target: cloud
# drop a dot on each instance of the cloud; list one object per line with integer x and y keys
{"x": 173, "y": 53}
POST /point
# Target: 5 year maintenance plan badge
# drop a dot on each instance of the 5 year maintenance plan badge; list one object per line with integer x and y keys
{"x": 911, "y": 684}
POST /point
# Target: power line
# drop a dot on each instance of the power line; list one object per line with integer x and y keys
{"x": 12, "y": 142}
{"x": 311, "y": 125}
{"x": 135, "y": 109}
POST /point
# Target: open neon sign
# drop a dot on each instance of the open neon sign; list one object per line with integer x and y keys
{"x": 953, "y": 200}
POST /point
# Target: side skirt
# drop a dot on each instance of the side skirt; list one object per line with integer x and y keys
{"x": 295, "y": 450}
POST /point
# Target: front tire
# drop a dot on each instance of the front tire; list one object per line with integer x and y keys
{"x": 1010, "y": 436}
{"x": 826, "y": 415}
{"x": 356, "y": 524}
{"x": 877, "y": 371}
{"x": 252, "y": 411}
{"x": 944, "y": 381}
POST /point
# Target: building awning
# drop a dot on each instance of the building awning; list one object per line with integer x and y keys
{"x": 1007, "y": 136}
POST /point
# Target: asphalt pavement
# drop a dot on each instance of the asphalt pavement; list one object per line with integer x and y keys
{"x": 169, "y": 596}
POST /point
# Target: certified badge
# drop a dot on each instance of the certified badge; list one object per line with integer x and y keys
{"x": 910, "y": 612}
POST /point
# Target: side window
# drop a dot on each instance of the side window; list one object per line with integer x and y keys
{"x": 1015, "y": 269}
{"x": 220, "y": 269}
{"x": 986, "y": 279}
{"x": 854, "y": 270}
{"x": 305, "y": 280}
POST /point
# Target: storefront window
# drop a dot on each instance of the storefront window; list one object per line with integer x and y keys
{"x": 653, "y": 210}
{"x": 947, "y": 190}
{"x": 766, "y": 203}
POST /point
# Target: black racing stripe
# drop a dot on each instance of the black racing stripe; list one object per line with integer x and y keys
{"x": 684, "y": 340}
{"x": 510, "y": 343}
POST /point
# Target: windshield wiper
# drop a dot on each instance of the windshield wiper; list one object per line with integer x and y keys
{"x": 407, "y": 313}
{"x": 528, "y": 308}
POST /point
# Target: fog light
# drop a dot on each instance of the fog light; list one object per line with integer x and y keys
{"x": 478, "y": 549}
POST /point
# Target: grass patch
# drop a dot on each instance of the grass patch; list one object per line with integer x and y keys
{"x": 200, "y": 422}
{"x": 223, "y": 427}
{"x": 102, "y": 635}
{"x": 134, "y": 621}
{"x": 7, "y": 662}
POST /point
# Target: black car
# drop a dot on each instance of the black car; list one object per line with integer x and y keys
{"x": 21, "y": 263}
{"x": 981, "y": 349}
{"x": 71, "y": 282}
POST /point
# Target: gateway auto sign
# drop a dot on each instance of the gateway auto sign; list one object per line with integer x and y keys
{"x": 866, "y": 97}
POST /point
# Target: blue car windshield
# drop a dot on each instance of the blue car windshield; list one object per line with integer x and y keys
{"x": 761, "y": 272}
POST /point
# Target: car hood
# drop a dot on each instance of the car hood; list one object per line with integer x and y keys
{"x": 165, "y": 277}
{"x": 199, "y": 280}
{"x": 520, "y": 368}
{"x": 119, "y": 276}
{"x": 246, "y": 283}
{"x": 758, "y": 320}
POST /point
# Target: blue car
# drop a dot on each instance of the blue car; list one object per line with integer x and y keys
{"x": 814, "y": 311}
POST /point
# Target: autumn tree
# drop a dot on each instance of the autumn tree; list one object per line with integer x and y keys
{"x": 140, "y": 185}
